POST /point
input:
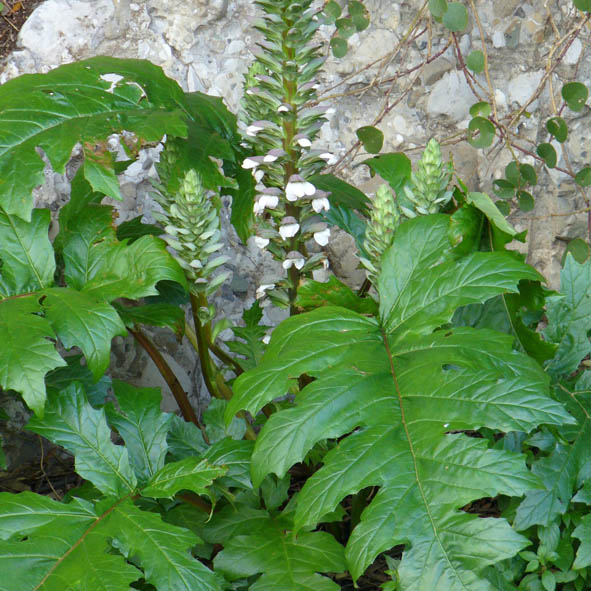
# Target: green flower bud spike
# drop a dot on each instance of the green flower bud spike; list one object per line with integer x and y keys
{"x": 427, "y": 190}
{"x": 384, "y": 219}
{"x": 193, "y": 231}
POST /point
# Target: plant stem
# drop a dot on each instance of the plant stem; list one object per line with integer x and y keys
{"x": 217, "y": 351}
{"x": 202, "y": 333}
{"x": 175, "y": 386}
{"x": 214, "y": 380}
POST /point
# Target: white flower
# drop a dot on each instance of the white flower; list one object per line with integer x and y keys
{"x": 274, "y": 155}
{"x": 261, "y": 242}
{"x": 294, "y": 259}
{"x": 252, "y": 130}
{"x": 263, "y": 201}
{"x": 297, "y": 187}
{"x": 302, "y": 140}
{"x": 258, "y": 175}
{"x": 251, "y": 162}
{"x": 329, "y": 158}
{"x": 261, "y": 289}
{"x": 267, "y": 339}
{"x": 320, "y": 203}
{"x": 289, "y": 227}
{"x": 322, "y": 237}
{"x": 283, "y": 108}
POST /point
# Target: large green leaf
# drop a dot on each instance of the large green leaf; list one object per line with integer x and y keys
{"x": 26, "y": 256}
{"x": 396, "y": 392}
{"x": 566, "y": 467}
{"x": 79, "y": 320}
{"x": 64, "y": 559}
{"x": 53, "y": 546}
{"x": 192, "y": 474}
{"x": 161, "y": 549}
{"x": 256, "y": 543}
{"x": 75, "y": 103}
{"x": 70, "y": 421}
{"x": 142, "y": 425}
{"x": 26, "y": 354}
{"x": 101, "y": 266}
{"x": 569, "y": 317}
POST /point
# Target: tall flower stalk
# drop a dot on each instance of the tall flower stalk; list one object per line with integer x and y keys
{"x": 281, "y": 122}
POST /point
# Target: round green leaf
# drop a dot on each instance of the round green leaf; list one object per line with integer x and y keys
{"x": 481, "y": 108}
{"x": 438, "y": 7}
{"x": 332, "y": 10}
{"x": 512, "y": 173}
{"x": 528, "y": 172}
{"x": 503, "y": 207}
{"x": 579, "y": 249}
{"x": 371, "y": 138}
{"x": 548, "y": 153}
{"x": 575, "y": 95}
{"x": 557, "y": 127}
{"x": 503, "y": 189}
{"x": 345, "y": 27}
{"x": 455, "y": 17}
{"x": 526, "y": 201}
{"x": 583, "y": 177}
{"x": 361, "y": 22}
{"x": 475, "y": 61}
{"x": 583, "y": 5}
{"x": 356, "y": 7}
{"x": 339, "y": 47}
{"x": 481, "y": 132}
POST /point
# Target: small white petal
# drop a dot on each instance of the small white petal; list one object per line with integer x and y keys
{"x": 287, "y": 263}
{"x": 267, "y": 339}
{"x": 252, "y": 130}
{"x": 329, "y": 158}
{"x": 258, "y": 208}
{"x": 319, "y": 204}
{"x": 309, "y": 189}
{"x": 250, "y": 163}
{"x": 270, "y": 158}
{"x": 261, "y": 242}
{"x": 304, "y": 142}
{"x": 290, "y": 192}
{"x": 258, "y": 175}
{"x": 299, "y": 263}
{"x": 283, "y": 109}
{"x": 261, "y": 289}
{"x": 288, "y": 230}
{"x": 322, "y": 237}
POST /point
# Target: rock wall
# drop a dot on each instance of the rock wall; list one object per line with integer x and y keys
{"x": 410, "y": 79}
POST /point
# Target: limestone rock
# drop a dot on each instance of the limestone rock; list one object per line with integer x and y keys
{"x": 61, "y": 31}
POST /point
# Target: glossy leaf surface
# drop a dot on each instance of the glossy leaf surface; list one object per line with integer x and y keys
{"x": 395, "y": 392}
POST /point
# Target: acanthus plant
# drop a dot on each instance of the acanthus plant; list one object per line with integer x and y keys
{"x": 398, "y": 417}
